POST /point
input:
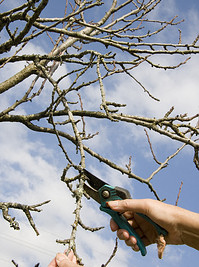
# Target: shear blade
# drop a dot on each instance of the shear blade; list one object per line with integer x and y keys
{"x": 94, "y": 185}
{"x": 92, "y": 193}
{"x": 93, "y": 181}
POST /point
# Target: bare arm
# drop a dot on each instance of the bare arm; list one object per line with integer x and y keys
{"x": 189, "y": 227}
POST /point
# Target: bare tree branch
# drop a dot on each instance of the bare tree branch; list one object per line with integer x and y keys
{"x": 6, "y": 206}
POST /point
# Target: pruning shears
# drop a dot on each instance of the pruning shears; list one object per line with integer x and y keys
{"x": 102, "y": 192}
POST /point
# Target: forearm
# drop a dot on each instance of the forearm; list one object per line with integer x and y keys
{"x": 189, "y": 227}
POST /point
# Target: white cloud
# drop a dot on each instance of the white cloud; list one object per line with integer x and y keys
{"x": 97, "y": 249}
{"x": 176, "y": 88}
{"x": 29, "y": 177}
{"x": 91, "y": 97}
{"x": 164, "y": 10}
{"x": 173, "y": 256}
{"x": 102, "y": 139}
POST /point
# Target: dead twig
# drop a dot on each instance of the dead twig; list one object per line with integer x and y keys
{"x": 151, "y": 148}
{"x": 6, "y": 206}
{"x": 179, "y": 194}
{"x": 112, "y": 255}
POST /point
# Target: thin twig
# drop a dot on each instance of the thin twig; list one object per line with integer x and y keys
{"x": 151, "y": 148}
{"x": 15, "y": 264}
{"x": 112, "y": 255}
{"x": 179, "y": 193}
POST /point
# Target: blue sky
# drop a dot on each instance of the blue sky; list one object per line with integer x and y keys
{"x": 31, "y": 164}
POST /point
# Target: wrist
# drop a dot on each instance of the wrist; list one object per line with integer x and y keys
{"x": 188, "y": 225}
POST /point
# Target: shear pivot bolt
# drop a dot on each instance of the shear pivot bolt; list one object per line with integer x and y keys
{"x": 105, "y": 194}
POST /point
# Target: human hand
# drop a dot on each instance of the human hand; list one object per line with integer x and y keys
{"x": 61, "y": 260}
{"x": 167, "y": 216}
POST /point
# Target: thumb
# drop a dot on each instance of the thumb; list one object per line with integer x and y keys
{"x": 134, "y": 205}
{"x": 62, "y": 260}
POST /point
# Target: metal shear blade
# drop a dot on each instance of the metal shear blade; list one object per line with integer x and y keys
{"x": 93, "y": 181}
{"x": 95, "y": 184}
{"x": 92, "y": 193}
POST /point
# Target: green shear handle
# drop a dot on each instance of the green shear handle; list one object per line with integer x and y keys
{"x": 123, "y": 224}
{"x": 111, "y": 194}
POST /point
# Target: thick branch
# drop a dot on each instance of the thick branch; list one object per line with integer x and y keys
{"x": 5, "y": 47}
